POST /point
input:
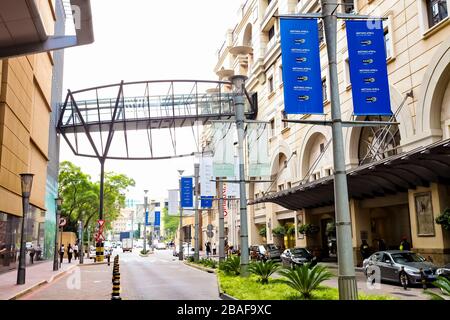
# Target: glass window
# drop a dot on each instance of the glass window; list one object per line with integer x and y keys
{"x": 271, "y": 32}
{"x": 9, "y": 241}
{"x": 387, "y": 38}
{"x": 405, "y": 257}
{"x": 349, "y": 6}
{"x": 437, "y": 11}
{"x": 324, "y": 90}
{"x": 321, "y": 32}
{"x": 270, "y": 84}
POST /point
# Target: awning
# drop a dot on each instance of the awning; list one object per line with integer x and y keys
{"x": 22, "y": 30}
{"x": 392, "y": 175}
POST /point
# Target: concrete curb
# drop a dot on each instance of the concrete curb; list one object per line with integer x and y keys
{"x": 193, "y": 265}
{"x": 223, "y": 295}
{"x": 40, "y": 284}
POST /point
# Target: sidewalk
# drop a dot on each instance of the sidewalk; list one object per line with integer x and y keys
{"x": 36, "y": 276}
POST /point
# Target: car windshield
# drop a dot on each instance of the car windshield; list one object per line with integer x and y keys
{"x": 406, "y": 257}
{"x": 300, "y": 251}
{"x": 272, "y": 247}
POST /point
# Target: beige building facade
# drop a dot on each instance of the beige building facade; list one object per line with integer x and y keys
{"x": 418, "y": 51}
{"x": 25, "y": 111}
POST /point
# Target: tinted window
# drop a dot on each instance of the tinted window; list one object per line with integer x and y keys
{"x": 386, "y": 258}
{"x": 377, "y": 256}
{"x": 301, "y": 252}
{"x": 406, "y": 257}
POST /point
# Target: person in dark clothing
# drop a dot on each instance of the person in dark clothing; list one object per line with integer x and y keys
{"x": 32, "y": 253}
{"x": 404, "y": 278}
{"x": 208, "y": 249}
{"x": 61, "y": 253}
{"x": 365, "y": 250}
{"x": 405, "y": 245}
{"x": 69, "y": 252}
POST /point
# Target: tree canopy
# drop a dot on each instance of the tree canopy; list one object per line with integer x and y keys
{"x": 170, "y": 223}
{"x": 81, "y": 196}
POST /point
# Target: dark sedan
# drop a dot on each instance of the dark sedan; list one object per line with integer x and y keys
{"x": 296, "y": 256}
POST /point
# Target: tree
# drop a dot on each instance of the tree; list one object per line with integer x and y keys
{"x": 81, "y": 196}
{"x": 170, "y": 223}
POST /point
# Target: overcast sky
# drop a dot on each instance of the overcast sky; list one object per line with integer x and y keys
{"x": 148, "y": 40}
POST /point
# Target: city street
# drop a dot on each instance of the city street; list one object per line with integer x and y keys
{"x": 159, "y": 276}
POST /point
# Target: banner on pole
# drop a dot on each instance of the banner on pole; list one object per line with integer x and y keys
{"x": 368, "y": 68}
{"x": 187, "y": 194}
{"x": 157, "y": 218}
{"x": 207, "y": 187}
{"x": 301, "y": 66}
{"x": 173, "y": 202}
{"x": 223, "y": 141}
{"x": 258, "y": 150}
{"x": 206, "y": 202}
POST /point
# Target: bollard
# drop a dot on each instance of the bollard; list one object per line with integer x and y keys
{"x": 116, "y": 283}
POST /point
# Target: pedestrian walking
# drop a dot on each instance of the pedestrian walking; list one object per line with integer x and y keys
{"x": 404, "y": 278}
{"x": 423, "y": 279}
{"x": 208, "y": 249}
{"x": 214, "y": 249}
{"x": 75, "y": 251}
{"x": 405, "y": 245}
{"x": 365, "y": 250}
{"x": 61, "y": 253}
{"x": 69, "y": 252}
{"x": 32, "y": 253}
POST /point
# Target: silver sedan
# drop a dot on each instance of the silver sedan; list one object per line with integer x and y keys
{"x": 389, "y": 263}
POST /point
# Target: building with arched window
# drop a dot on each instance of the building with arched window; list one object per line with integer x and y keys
{"x": 398, "y": 175}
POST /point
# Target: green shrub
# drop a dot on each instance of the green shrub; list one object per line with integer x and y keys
{"x": 443, "y": 284}
{"x": 291, "y": 230}
{"x": 279, "y": 231}
{"x": 232, "y": 265}
{"x": 305, "y": 280}
{"x": 264, "y": 270}
{"x": 190, "y": 259}
{"x": 263, "y": 232}
{"x": 144, "y": 252}
{"x": 444, "y": 219}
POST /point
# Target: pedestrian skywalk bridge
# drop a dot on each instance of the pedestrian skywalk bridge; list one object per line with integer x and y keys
{"x": 131, "y": 120}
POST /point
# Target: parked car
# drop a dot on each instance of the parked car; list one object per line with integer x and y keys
{"x": 265, "y": 252}
{"x": 444, "y": 271}
{"x": 187, "y": 250}
{"x": 92, "y": 252}
{"x": 296, "y": 256}
{"x": 390, "y": 263}
{"x": 161, "y": 246}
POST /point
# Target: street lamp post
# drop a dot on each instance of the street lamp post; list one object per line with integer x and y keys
{"x": 58, "y": 202}
{"x": 239, "y": 86}
{"x": 27, "y": 182}
{"x": 80, "y": 237}
{"x": 346, "y": 272}
{"x": 180, "y": 250}
{"x": 145, "y": 222}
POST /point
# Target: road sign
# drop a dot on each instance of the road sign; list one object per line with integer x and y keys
{"x": 101, "y": 223}
{"x": 210, "y": 234}
{"x": 210, "y": 227}
{"x": 62, "y": 222}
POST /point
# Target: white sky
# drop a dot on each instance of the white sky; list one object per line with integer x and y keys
{"x": 148, "y": 40}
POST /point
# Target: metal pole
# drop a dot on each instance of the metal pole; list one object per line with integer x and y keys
{"x": 180, "y": 250}
{"x": 80, "y": 237}
{"x": 22, "y": 257}
{"x": 99, "y": 244}
{"x": 145, "y": 221}
{"x": 132, "y": 230}
{"x": 221, "y": 224}
{"x": 55, "y": 256}
{"x": 238, "y": 83}
{"x": 60, "y": 243}
{"x": 197, "y": 213}
{"x": 346, "y": 272}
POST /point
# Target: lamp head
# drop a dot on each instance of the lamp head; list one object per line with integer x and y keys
{"x": 180, "y": 172}
{"x": 59, "y": 202}
{"x": 27, "y": 182}
{"x": 238, "y": 82}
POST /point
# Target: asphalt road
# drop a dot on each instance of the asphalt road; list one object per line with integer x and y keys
{"x": 159, "y": 276}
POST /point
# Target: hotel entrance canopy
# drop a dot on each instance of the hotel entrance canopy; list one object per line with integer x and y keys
{"x": 23, "y": 30}
{"x": 392, "y": 175}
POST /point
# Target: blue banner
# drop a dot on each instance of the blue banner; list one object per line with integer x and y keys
{"x": 157, "y": 218}
{"x": 301, "y": 66}
{"x": 187, "y": 194}
{"x": 206, "y": 202}
{"x": 146, "y": 219}
{"x": 368, "y": 68}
